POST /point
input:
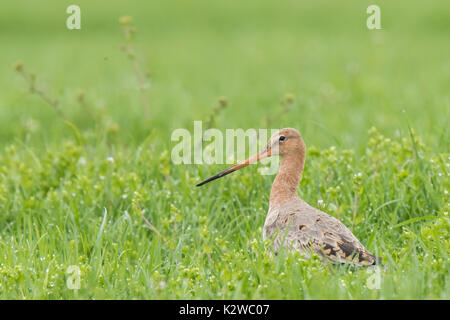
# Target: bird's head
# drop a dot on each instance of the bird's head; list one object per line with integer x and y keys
{"x": 285, "y": 142}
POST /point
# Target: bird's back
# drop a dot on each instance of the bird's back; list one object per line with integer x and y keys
{"x": 297, "y": 225}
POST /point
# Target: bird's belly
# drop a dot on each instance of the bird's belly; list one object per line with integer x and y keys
{"x": 279, "y": 239}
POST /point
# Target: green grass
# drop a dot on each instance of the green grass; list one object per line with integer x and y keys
{"x": 74, "y": 194}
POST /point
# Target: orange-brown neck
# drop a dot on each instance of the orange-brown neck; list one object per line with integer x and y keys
{"x": 284, "y": 187}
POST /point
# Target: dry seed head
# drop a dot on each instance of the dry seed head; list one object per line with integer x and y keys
{"x": 289, "y": 98}
{"x": 80, "y": 96}
{"x": 223, "y": 101}
{"x": 125, "y": 20}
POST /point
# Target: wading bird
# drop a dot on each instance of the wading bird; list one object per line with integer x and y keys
{"x": 290, "y": 221}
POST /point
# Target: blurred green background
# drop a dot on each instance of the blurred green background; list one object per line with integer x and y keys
{"x": 345, "y": 78}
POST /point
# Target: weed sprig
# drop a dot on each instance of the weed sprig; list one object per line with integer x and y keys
{"x": 284, "y": 108}
{"x": 143, "y": 77}
{"x": 217, "y": 110}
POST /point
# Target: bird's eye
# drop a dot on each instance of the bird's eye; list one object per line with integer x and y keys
{"x": 282, "y": 138}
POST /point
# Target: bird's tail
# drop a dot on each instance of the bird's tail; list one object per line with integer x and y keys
{"x": 377, "y": 261}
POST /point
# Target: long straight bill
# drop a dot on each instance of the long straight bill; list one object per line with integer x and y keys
{"x": 261, "y": 155}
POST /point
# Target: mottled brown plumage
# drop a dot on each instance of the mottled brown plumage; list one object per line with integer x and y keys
{"x": 290, "y": 221}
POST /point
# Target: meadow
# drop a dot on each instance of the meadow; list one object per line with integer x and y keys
{"x": 86, "y": 117}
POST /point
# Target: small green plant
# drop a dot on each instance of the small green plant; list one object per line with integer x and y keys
{"x": 143, "y": 77}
